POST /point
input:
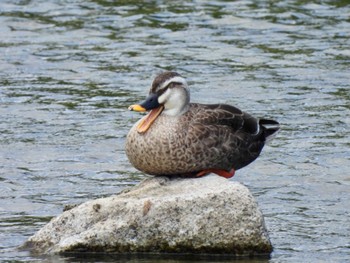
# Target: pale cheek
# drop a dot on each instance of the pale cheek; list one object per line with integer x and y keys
{"x": 161, "y": 99}
{"x": 170, "y": 104}
{"x": 164, "y": 97}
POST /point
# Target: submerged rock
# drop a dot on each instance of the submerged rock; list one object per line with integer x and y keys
{"x": 209, "y": 215}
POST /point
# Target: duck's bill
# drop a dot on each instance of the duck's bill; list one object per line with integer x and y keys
{"x": 148, "y": 120}
{"x": 151, "y": 102}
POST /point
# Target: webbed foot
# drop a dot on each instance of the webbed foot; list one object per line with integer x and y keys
{"x": 220, "y": 172}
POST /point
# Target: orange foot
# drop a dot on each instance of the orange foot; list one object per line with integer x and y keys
{"x": 222, "y": 173}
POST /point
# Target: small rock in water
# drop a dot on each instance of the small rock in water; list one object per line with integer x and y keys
{"x": 210, "y": 215}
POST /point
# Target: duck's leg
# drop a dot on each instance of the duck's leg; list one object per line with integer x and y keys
{"x": 220, "y": 172}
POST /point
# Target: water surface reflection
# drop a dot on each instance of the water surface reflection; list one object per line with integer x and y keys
{"x": 68, "y": 71}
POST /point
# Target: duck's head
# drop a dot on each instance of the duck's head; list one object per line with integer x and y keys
{"x": 169, "y": 95}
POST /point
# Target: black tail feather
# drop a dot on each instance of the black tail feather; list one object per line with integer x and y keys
{"x": 271, "y": 128}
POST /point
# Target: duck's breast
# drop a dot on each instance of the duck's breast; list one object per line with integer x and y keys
{"x": 160, "y": 149}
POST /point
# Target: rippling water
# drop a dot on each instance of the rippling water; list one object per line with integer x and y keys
{"x": 69, "y": 69}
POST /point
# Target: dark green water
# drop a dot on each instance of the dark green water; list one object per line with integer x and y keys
{"x": 69, "y": 70}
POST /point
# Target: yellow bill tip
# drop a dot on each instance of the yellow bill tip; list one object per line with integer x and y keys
{"x": 137, "y": 107}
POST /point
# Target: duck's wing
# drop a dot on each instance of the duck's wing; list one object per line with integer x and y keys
{"x": 228, "y": 116}
{"x": 223, "y": 136}
{"x": 226, "y": 137}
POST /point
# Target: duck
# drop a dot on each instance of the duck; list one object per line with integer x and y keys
{"x": 181, "y": 138}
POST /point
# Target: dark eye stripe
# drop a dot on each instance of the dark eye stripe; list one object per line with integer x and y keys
{"x": 170, "y": 85}
{"x": 159, "y": 91}
{"x": 162, "y": 90}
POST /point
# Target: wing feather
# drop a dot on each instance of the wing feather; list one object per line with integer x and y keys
{"x": 227, "y": 115}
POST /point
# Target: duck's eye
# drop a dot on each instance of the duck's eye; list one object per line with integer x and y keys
{"x": 161, "y": 91}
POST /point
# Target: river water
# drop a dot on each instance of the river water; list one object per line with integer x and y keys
{"x": 69, "y": 70}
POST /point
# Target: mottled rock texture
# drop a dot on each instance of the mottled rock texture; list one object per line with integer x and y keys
{"x": 209, "y": 215}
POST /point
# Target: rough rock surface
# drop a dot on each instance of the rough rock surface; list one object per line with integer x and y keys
{"x": 209, "y": 215}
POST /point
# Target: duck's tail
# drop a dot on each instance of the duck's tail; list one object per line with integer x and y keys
{"x": 271, "y": 128}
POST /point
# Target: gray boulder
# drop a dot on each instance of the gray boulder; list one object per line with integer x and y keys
{"x": 210, "y": 215}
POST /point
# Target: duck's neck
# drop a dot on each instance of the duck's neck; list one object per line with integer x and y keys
{"x": 176, "y": 112}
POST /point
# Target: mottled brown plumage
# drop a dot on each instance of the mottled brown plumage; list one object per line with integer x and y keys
{"x": 197, "y": 137}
